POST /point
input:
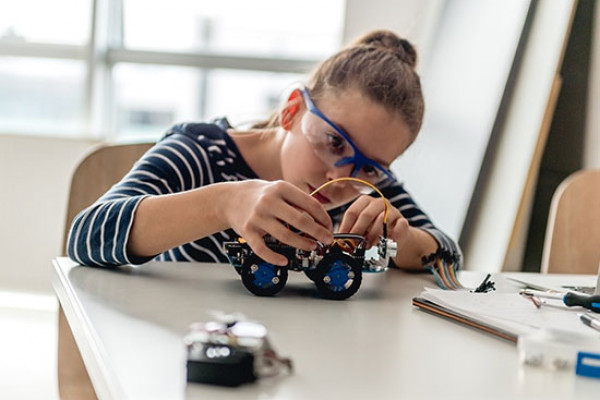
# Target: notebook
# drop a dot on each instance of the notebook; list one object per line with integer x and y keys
{"x": 505, "y": 315}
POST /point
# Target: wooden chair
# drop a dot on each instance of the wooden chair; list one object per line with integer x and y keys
{"x": 96, "y": 173}
{"x": 572, "y": 243}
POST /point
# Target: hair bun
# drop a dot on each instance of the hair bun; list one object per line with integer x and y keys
{"x": 403, "y": 49}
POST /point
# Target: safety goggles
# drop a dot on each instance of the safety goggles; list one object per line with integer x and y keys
{"x": 335, "y": 148}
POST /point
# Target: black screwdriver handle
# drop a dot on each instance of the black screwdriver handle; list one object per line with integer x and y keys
{"x": 591, "y": 302}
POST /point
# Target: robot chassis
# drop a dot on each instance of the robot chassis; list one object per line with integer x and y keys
{"x": 336, "y": 269}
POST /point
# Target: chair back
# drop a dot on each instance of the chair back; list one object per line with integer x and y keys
{"x": 572, "y": 243}
{"x": 97, "y": 173}
{"x": 94, "y": 175}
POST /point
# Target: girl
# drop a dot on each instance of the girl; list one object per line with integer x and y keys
{"x": 204, "y": 184}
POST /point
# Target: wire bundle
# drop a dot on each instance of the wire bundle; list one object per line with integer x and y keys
{"x": 443, "y": 266}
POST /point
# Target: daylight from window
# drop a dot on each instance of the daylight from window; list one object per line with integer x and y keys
{"x": 45, "y": 65}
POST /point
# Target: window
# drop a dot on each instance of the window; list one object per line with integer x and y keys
{"x": 56, "y": 21}
{"x": 152, "y": 63}
{"x": 274, "y": 28}
{"x": 40, "y": 95}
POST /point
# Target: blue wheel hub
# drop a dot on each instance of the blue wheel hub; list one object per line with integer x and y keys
{"x": 338, "y": 276}
{"x": 263, "y": 276}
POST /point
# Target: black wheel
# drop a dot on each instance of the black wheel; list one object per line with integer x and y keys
{"x": 338, "y": 276}
{"x": 262, "y": 278}
{"x": 312, "y": 274}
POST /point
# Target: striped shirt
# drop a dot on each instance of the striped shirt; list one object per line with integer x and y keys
{"x": 188, "y": 157}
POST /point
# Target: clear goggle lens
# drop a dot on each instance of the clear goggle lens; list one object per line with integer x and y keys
{"x": 335, "y": 151}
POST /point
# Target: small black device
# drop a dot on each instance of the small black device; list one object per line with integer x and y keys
{"x": 230, "y": 353}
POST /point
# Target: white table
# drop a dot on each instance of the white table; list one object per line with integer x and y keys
{"x": 129, "y": 325}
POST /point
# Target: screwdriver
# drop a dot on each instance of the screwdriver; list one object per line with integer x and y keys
{"x": 570, "y": 299}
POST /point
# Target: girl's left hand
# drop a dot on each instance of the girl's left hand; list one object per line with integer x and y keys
{"x": 365, "y": 217}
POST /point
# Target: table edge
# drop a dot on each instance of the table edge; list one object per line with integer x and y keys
{"x": 94, "y": 357}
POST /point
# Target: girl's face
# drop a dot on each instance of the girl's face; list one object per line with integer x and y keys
{"x": 379, "y": 134}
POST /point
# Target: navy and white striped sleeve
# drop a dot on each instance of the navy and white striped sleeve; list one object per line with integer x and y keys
{"x": 99, "y": 234}
{"x": 403, "y": 201}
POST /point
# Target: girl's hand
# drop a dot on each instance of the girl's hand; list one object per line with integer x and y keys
{"x": 365, "y": 217}
{"x": 256, "y": 208}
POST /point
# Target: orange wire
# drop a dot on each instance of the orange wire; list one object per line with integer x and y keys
{"x": 385, "y": 201}
{"x": 442, "y": 271}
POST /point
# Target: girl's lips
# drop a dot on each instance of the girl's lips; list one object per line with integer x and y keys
{"x": 322, "y": 198}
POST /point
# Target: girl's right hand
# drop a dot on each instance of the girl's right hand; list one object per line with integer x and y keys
{"x": 256, "y": 208}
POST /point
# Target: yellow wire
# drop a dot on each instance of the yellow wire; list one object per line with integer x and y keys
{"x": 443, "y": 273}
{"x": 385, "y": 201}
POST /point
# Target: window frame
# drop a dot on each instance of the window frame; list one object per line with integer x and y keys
{"x": 105, "y": 48}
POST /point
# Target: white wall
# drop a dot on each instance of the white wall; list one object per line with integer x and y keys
{"x": 415, "y": 20}
{"x": 506, "y": 200}
{"x": 34, "y": 178}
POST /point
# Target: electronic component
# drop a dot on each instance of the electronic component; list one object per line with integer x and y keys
{"x": 336, "y": 269}
{"x": 231, "y": 353}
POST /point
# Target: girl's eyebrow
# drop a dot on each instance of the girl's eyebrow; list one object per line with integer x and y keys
{"x": 380, "y": 162}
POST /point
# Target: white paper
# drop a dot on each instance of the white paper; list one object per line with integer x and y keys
{"x": 510, "y": 311}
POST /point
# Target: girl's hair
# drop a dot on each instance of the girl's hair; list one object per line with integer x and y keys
{"x": 382, "y": 66}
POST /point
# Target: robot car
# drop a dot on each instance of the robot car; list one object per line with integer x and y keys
{"x": 336, "y": 269}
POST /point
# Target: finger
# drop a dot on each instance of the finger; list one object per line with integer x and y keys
{"x": 311, "y": 206}
{"x": 395, "y": 225}
{"x": 375, "y": 231}
{"x": 291, "y": 238}
{"x": 259, "y": 247}
{"x": 348, "y": 220}
{"x": 366, "y": 218}
{"x": 304, "y": 222}
{"x": 399, "y": 230}
{"x": 352, "y": 214}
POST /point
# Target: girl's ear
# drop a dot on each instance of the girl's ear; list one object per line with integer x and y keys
{"x": 290, "y": 109}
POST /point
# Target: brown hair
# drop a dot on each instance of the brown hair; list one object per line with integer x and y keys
{"x": 382, "y": 66}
